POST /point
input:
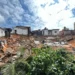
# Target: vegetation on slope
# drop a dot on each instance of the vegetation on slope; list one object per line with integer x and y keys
{"x": 45, "y": 61}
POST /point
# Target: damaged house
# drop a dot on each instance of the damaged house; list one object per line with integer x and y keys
{"x": 5, "y": 32}
{"x": 8, "y": 32}
{"x": 65, "y": 32}
{"x": 53, "y": 32}
{"x": 22, "y": 30}
{"x": 46, "y": 32}
{"x": 37, "y": 32}
{"x": 2, "y": 32}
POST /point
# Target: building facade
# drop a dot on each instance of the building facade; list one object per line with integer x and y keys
{"x": 67, "y": 32}
{"x": 55, "y": 32}
{"x": 21, "y": 30}
{"x": 74, "y": 25}
{"x": 46, "y": 32}
{"x": 2, "y": 32}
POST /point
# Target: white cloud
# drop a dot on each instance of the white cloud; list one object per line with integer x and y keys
{"x": 71, "y": 3}
{"x": 68, "y": 23}
{"x": 11, "y": 9}
{"x": 46, "y": 13}
{"x": 51, "y": 15}
{"x": 18, "y": 12}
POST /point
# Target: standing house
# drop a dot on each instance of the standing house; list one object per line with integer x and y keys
{"x": 45, "y": 32}
{"x": 55, "y": 32}
{"x": 2, "y": 32}
{"x": 21, "y": 30}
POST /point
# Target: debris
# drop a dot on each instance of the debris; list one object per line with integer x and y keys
{"x": 10, "y": 46}
{"x": 1, "y": 64}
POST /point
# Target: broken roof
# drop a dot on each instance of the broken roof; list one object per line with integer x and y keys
{"x": 2, "y": 28}
{"x": 22, "y": 27}
{"x": 50, "y": 30}
{"x": 36, "y": 30}
{"x": 45, "y": 28}
{"x": 55, "y": 29}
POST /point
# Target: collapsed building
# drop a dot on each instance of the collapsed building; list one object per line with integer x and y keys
{"x": 66, "y": 32}
{"x": 11, "y": 45}
{"x": 46, "y": 32}
{"x": 37, "y": 33}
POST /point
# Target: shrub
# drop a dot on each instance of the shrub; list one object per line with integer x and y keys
{"x": 46, "y": 61}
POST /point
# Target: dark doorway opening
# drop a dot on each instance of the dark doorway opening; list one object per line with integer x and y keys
{"x": 7, "y": 32}
{"x": 15, "y": 31}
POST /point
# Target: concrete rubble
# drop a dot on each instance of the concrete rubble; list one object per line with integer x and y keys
{"x": 67, "y": 42}
{"x": 12, "y": 45}
{"x": 56, "y": 43}
{"x": 11, "y": 52}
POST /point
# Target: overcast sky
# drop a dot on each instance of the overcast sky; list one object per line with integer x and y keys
{"x": 52, "y": 14}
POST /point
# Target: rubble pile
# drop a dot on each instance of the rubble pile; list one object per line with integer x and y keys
{"x": 13, "y": 45}
{"x": 67, "y": 42}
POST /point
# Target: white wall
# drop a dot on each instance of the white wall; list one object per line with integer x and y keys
{"x": 55, "y": 32}
{"x": 45, "y": 32}
{"x": 21, "y": 31}
{"x": 67, "y": 32}
{"x": 74, "y": 25}
{"x": 2, "y": 32}
{"x": 50, "y": 32}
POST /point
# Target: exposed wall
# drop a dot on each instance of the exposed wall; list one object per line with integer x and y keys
{"x": 45, "y": 32}
{"x": 74, "y": 25}
{"x": 21, "y": 31}
{"x": 50, "y": 33}
{"x": 55, "y": 32}
{"x": 67, "y": 32}
{"x": 2, "y": 33}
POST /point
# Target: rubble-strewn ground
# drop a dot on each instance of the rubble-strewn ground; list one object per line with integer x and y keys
{"x": 14, "y": 44}
{"x": 18, "y": 45}
{"x": 67, "y": 42}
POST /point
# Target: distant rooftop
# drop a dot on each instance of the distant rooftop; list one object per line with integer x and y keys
{"x": 22, "y": 27}
{"x": 55, "y": 29}
{"x": 2, "y": 28}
